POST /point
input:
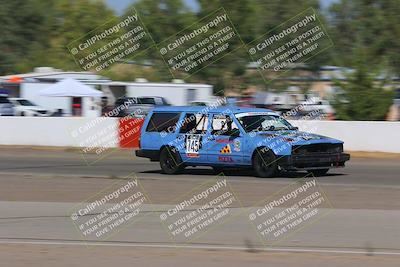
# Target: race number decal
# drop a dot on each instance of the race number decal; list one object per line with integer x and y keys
{"x": 193, "y": 145}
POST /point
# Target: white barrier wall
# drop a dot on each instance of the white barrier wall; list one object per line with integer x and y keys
{"x": 33, "y": 131}
{"x": 369, "y": 136}
{"x": 54, "y": 131}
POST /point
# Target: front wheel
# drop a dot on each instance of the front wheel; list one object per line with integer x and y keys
{"x": 318, "y": 172}
{"x": 264, "y": 163}
{"x": 170, "y": 161}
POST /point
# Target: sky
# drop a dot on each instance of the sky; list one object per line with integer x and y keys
{"x": 120, "y": 5}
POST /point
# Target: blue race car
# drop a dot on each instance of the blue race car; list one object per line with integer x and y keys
{"x": 231, "y": 137}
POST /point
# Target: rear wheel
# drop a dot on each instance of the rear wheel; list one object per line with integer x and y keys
{"x": 318, "y": 172}
{"x": 264, "y": 163}
{"x": 170, "y": 161}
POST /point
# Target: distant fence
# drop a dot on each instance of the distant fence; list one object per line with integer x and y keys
{"x": 81, "y": 132}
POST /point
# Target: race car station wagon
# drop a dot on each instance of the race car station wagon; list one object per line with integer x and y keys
{"x": 232, "y": 137}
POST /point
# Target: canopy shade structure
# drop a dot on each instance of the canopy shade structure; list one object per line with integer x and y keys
{"x": 70, "y": 88}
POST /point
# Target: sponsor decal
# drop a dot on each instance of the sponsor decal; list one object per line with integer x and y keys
{"x": 225, "y": 159}
{"x": 226, "y": 150}
{"x": 236, "y": 145}
{"x": 223, "y": 141}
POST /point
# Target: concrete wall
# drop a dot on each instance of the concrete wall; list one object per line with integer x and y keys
{"x": 358, "y": 135}
{"x": 83, "y": 132}
{"x": 68, "y": 131}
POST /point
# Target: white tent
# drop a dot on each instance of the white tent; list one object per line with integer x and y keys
{"x": 70, "y": 88}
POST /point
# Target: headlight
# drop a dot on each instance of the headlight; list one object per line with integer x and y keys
{"x": 338, "y": 148}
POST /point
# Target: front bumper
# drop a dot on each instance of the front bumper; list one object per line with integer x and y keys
{"x": 313, "y": 161}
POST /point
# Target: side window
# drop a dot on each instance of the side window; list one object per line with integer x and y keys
{"x": 163, "y": 122}
{"x": 194, "y": 123}
{"x": 223, "y": 125}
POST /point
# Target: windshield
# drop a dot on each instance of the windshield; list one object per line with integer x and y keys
{"x": 24, "y": 102}
{"x": 263, "y": 122}
{"x": 146, "y": 101}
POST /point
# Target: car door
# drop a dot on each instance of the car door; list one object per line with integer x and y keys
{"x": 191, "y": 138}
{"x": 225, "y": 142}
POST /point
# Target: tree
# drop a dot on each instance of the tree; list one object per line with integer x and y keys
{"x": 37, "y": 32}
{"x": 253, "y": 19}
{"x": 69, "y": 21}
{"x": 163, "y": 18}
{"x": 21, "y": 24}
{"x": 242, "y": 13}
{"x": 362, "y": 97}
{"x": 229, "y": 71}
{"x": 275, "y": 12}
{"x": 370, "y": 25}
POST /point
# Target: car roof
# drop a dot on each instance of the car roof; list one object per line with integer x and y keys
{"x": 208, "y": 109}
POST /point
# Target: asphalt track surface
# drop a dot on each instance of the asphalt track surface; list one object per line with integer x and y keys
{"x": 362, "y": 171}
{"x": 38, "y": 188}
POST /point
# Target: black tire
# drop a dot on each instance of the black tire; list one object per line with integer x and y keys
{"x": 22, "y": 114}
{"x": 170, "y": 161}
{"x": 318, "y": 172}
{"x": 264, "y": 163}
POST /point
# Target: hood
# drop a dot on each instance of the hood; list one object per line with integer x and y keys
{"x": 297, "y": 137}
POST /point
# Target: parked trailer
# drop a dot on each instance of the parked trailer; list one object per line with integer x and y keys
{"x": 177, "y": 94}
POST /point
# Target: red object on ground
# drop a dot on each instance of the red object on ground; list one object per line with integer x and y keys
{"x": 129, "y": 132}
